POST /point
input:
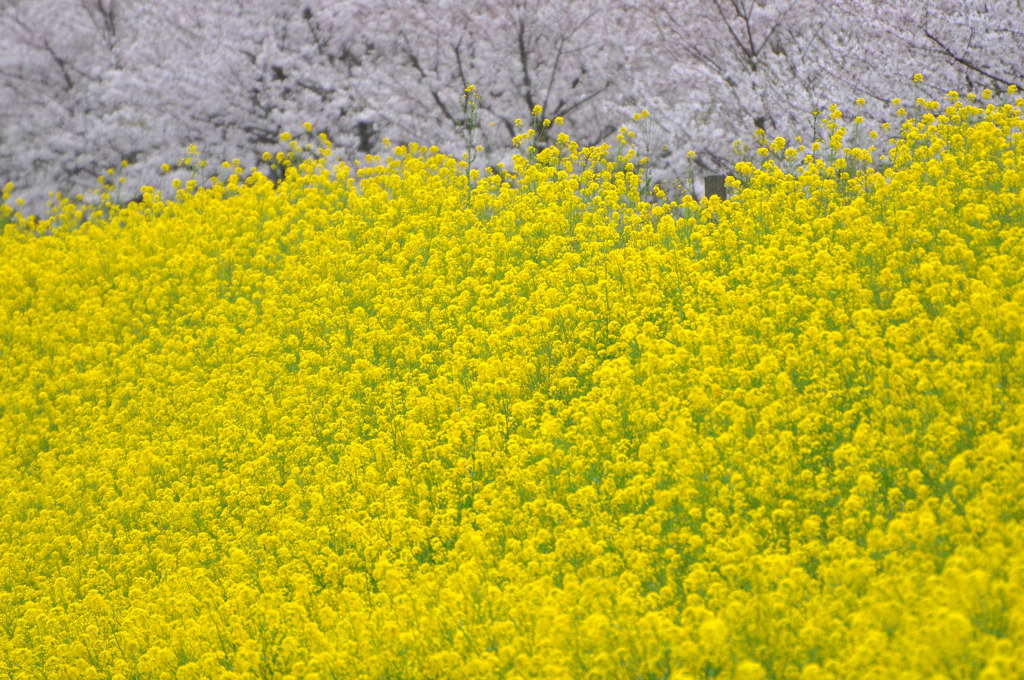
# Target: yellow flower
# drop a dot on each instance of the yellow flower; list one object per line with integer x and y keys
{"x": 543, "y": 420}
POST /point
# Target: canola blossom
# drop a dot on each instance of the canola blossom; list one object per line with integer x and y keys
{"x": 409, "y": 420}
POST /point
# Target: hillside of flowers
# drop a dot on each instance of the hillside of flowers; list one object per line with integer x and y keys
{"x": 402, "y": 418}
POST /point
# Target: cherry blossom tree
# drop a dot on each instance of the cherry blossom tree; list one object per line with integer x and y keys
{"x": 967, "y": 45}
{"x": 721, "y": 66}
{"x": 59, "y": 64}
{"x": 88, "y": 84}
{"x": 92, "y": 83}
{"x": 717, "y": 70}
{"x": 563, "y": 56}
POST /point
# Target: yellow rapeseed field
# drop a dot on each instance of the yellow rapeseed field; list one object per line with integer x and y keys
{"x": 402, "y": 419}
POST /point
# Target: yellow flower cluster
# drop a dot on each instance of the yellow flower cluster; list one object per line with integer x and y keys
{"x": 401, "y": 420}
